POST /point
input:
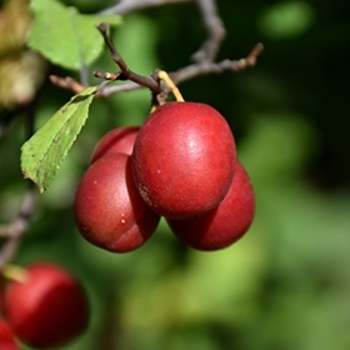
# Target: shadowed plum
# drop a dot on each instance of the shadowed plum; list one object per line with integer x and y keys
{"x": 225, "y": 224}
{"x": 119, "y": 140}
{"x": 109, "y": 211}
{"x": 49, "y": 308}
{"x": 183, "y": 159}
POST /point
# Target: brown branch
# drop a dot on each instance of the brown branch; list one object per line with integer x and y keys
{"x": 194, "y": 70}
{"x": 109, "y": 76}
{"x": 204, "y": 57}
{"x": 126, "y": 6}
{"x": 179, "y": 76}
{"x": 67, "y": 83}
{"x": 203, "y": 68}
{"x": 209, "y": 12}
{"x": 111, "y": 90}
{"x": 146, "y": 81}
{"x": 216, "y": 30}
{"x": 183, "y": 74}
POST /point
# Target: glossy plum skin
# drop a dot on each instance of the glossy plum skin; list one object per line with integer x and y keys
{"x": 119, "y": 140}
{"x": 7, "y": 340}
{"x": 49, "y": 309}
{"x": 183, "y": 160}
{"x": 109, "y": 211}
{"x": 225, "y": 224}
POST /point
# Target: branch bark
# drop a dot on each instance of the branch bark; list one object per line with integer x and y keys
{"x": 146, "y": 81}
{"x": 216, "y": 30}
{"x": 204, "y": 57}
{"x": 127, "y": 6}
{"x": 14, "y": 231}
{"x": 196, "y": 69}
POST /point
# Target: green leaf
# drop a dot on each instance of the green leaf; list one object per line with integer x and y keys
{"x": 64, "y": 36}
{"x": 44, "y": 152}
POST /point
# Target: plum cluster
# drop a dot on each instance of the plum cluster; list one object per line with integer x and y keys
{"x": 181, "y": 164}
{"x": 44, "y": 306}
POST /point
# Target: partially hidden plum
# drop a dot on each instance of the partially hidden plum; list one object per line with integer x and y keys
{"x": 109, "y": 211}
{"x": 224, "y": 225}
{"x": 118, "y": 140}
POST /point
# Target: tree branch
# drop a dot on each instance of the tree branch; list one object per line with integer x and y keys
{"x": 209, "y": 12}
{"x": 204, "y": 57}
{"x": 179, "y": 76}
{"x": 194, "y": 70}
{"x": 203, "y": 68}
{"x": 215, "y": 28}
{"x": 67, "y": 83}
{"x": 146, "y": 81}
{"x": 126, "y": 6}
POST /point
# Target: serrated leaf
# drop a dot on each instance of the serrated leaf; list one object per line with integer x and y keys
{"x": 64, "y": 36}
{"x": 44, "y": 152}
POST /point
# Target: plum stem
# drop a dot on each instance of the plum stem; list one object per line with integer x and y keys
{"x": 15, "y": 273}
{"x": 162, "y": 75}
{"x": 126, "y": 72}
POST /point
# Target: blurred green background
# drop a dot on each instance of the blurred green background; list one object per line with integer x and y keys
{"x": 286, "y": 284}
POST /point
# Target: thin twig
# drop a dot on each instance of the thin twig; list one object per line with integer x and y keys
{"x": 109, "y": 76}
{"x": 146, "y": 81}
{"x": 126, "y": 6}
{"x": 179, "y": 76}
{"x": 111, "y": 90}
{"x": 67, "y": 83}
{"x": 209, "y": 12}
{"x": 194, "y": 70}
{"x": 215, "y": 28}
{"x": 204, "y": 57}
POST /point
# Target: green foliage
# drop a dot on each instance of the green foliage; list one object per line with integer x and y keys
{"x": 44, "y": 152}
{"x": 66, "y": 37}
{"x": 286, "y": 19}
